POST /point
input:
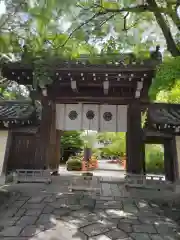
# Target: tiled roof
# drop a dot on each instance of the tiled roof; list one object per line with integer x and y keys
{"x": 17, "y": 112}
{"x": 164, "y": 117}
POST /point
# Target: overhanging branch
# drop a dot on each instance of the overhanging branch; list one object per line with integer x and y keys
{"x": 136, "y": 9}
{"x": 77, "y": 28}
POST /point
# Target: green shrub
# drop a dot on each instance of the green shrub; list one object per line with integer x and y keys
{"x": 74, "y": 164}
{"x": 155, "y": 161}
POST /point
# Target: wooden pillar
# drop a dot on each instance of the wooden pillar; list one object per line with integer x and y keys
{"x": 52, "y": 143}
{"x": 54, "y": 146}
{"x": 58, "y": 146}
{"x": 45, "y": 131}
{"x": 168, "y": 160}
{"x": 134, "y": 139}
{"x": 143, "y": 158}
{"x": 7, "y": 152}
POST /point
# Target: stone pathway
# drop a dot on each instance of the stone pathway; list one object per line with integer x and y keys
{"x": 50, "y": 212}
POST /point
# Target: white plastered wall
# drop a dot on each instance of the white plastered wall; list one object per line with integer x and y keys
{"x": 178, "y": 154}
{"x": 3, "y": 142}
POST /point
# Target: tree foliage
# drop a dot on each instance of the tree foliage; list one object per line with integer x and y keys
{"x": 53, "y": 28}
{"x": 71, "y": 139}
{"x": 167, "y": 81}
{"x": 115, "y": 144}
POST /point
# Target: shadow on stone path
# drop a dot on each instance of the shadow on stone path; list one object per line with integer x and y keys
{"x": 50, "y": 212}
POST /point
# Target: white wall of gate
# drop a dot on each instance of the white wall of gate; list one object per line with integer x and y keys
{"x": 102, "y": 118}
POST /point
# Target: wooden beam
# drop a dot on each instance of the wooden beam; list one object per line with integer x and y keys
{"x": 106, "y": 87}
{"x": 74, "y": 86}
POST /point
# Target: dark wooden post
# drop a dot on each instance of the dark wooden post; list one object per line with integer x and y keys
{"x": 44, "y": 132}
{"x": 168, "y": 160}
{"x": 134, "y": 139}
{"x": 143, "y": 157}
{"x": 54, "y": 151}
{"x": 52, "y": 141}
{"x": 175, "y": 159}
{"x": 7, "y": 152}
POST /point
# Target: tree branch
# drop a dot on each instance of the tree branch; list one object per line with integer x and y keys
{"x": 171, "y": 45}
{"x": 136, "y": 9}
{"x": 77, "y": 28}
{"x": 11, "y": 15}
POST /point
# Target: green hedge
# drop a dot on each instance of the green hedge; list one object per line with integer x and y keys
{"x": 155, "y": 161}
{"x": 74, "y": 164}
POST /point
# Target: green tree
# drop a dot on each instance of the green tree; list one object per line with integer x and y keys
{"x": 134, "y": 26}
{"x": 115, "y": 144}
{"x": 71, "y": 142}
{"x": 71, "y": 139}
{"x": 166, "y": 85}
{"x": 72, "y": 25}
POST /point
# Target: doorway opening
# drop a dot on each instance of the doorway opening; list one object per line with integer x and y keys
{"x": 154, "y": 159}
{"x": 108, "y": 153}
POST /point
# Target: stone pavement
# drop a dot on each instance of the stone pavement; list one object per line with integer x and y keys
{"x": 51, "y": 212}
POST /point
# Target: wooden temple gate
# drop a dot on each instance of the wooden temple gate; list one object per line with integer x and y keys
{"x": 116, "y": 84}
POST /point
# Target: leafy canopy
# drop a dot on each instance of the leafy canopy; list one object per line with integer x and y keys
{"x": 167, "y": 81}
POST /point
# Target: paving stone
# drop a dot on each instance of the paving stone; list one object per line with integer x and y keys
{"x": 75, "y": 207}
{"x": 34, "y": 206}
{"x": 108, "y": 204}
{"x": 130, "y": 220}
{"x": 130, "y": 208}
{"x": 26, "y": 220}
{"x": 115, "y": 213}
{"x": 74, "y": 222}
{"x": 46, "y": 218}
{"x": 147, "y": 220}
{"x": 61, "y": 232}
{"x": 106, "y": 189}
{"x": 23, "y": 198}
{"x": 126, "y": 227}
{"x": 95, "y": 229}
{"x": 20, "y": 212}
{"x": 49, "y": 199}
{"x": 100, "y": 237}
{"x": 16, "y": 238}
{"x": 9, "y": 221}
{"x": 18, "y": 203}
{"x": 117, "y": 234}
{"x": 33, "y": 212}
{"x": 31, "y": 230}
{"x": 156, "y": 237}
{"x": 110, "y": 198}
{"x": 164, "y": 229}
{"x": 87, "y": 202}
{"x": 11, "y": 212}
{"x": 48, "y": 209}
{"x": 144, "y": 228}
{"x": 13, "y": 231}
{"x": 140, "y": 203}
{"x": 61, "y": 212}
{"x": 140, "y": 236}
{"x": 83, "y": 213}
{"x": 38, "y": 199}
{"x": 147, "y": 213}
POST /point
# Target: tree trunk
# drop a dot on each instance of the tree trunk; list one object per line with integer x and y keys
{"x": 171, "y": 45}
